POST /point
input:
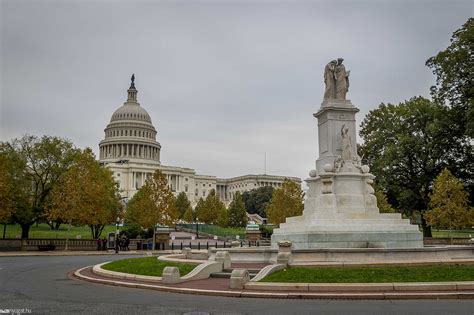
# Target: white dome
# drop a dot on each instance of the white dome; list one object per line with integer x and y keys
{"x": 131, "y": 111}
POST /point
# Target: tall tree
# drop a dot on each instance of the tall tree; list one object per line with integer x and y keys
{"x": 407, "y": 146}
{"x": 153, "y": 203}
{"x": 7, "y": 191}
{"x": 449, "y": 206}
{"x": 35, "y": 168}
{"x": 237, "y": 212}
{"x": 211, "y": 209}
{"x": 256, "y": 200}
{"x": 199, "y": 209}
{"x": 454, "y": 70}
{"x": 286, "y": 201}
{"x": 182, "y": 204}
{"x": 86, "y": 195}
{"x": 189, "y": 216}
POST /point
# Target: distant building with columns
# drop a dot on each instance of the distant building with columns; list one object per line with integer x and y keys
{"x": 131, "y": 152}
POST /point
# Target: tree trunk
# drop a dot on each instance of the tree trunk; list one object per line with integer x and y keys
{"x": 25, "y": 229}
{"x": 57, "y": 224}
{"x": 426, "y": 227}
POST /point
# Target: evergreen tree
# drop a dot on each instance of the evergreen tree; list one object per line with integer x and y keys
{"x": 189, "y": 215}
{"x": 211, "y": 210}
{"x": 237, "y": 212}
{"x": 182, "y": 204}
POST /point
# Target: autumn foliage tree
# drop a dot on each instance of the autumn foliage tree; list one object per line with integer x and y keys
{"x": 449, "y": 203}
{"x": 86, "y": 195}
{"x": 210, "y": 211}
{"x": 153, "y": 203}
{"x": 34, "y": 167}
{"x": 7, "y": 191}
{"x": 286, "y": 201}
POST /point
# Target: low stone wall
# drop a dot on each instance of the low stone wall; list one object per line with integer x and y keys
{"x": 12, "y": 244}
{"x": 352, "y": 255}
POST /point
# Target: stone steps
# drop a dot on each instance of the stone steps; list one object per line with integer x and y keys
{"x": 226, "y": 273}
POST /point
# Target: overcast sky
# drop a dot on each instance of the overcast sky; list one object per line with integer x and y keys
{"x": 223, "y": 81}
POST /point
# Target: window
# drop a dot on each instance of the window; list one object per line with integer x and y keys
{"x": 186, "y": 188}
{"x": 186, "y": 179}
{"x": 196, "y": 192}
{"x": 204, "y": 193}
{"x": 209, "y": 185}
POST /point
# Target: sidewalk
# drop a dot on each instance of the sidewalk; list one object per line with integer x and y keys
{"x": 83, "y": 253}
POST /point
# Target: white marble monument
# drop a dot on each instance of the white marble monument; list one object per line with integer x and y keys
{"x": 340, "y": 209}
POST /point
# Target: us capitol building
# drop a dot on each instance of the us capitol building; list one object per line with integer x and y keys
{"x": 131, "y": 152}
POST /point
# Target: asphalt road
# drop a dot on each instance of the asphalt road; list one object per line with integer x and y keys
{"x": 41, "y": 284}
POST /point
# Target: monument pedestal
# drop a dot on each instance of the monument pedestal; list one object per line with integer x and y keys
{"x": 340, "y": 209}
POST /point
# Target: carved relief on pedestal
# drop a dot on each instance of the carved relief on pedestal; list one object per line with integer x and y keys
{"x": 326, "y": 185}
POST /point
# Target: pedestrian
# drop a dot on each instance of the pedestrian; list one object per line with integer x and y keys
{"x": 99, "y": 244}
{"x": 127, "y": 244}
{"x": 104, "y": 244}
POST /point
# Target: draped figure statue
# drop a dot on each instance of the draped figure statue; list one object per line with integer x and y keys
{"x": 330, "y": 80}
{"x": 342, "y": 80}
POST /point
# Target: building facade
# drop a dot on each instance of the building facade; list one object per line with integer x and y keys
{"x": 130, "y": 150}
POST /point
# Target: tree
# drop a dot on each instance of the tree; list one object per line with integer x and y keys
{"x": 189, "y": 215}
{"x": 86, "y": 194}
{"x": 237, "y": 212}
{"x": 153, "y": 203}
{"x": 407, "y": 145}
{"x": 449, "y": 206}
{"x": 382, "y": 202}
{"x": 256, "y": 200}
{"x": 7, "y": 191}
{"x": 35, "y": 166}
{"x": 199, "y": 209}
{"x": 454, "y": 70}
{"x": 182, "y": 204}
{"x": 210, "y": 210}
{"x": 286, "y": 201}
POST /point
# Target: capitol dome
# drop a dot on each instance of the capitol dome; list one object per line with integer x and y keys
{"x": 130, "y": 135}
{"x": 131, "y": 111}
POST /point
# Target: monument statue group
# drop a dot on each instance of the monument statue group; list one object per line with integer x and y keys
{"x": 336, "y": 79}
{"x": 340, "y": 209}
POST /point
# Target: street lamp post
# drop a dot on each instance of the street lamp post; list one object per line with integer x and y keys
{"x": 117, "y": 222}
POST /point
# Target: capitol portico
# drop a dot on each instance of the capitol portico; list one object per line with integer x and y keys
{"x": 130, "y": 150}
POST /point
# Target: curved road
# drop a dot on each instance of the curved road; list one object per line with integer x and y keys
{"x": 42, "y": 285}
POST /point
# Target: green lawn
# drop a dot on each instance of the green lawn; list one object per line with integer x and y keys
{"x": 148, "y": 266}
{"x": 44, "y": 231}
{"x": 454, "y": 234}
{"x": 218, "y": 230}
{"x": 435, "y": 273}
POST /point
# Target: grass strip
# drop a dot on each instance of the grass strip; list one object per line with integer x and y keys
{"x": 147, "y": 266}
{"x": 432, "y": 273}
